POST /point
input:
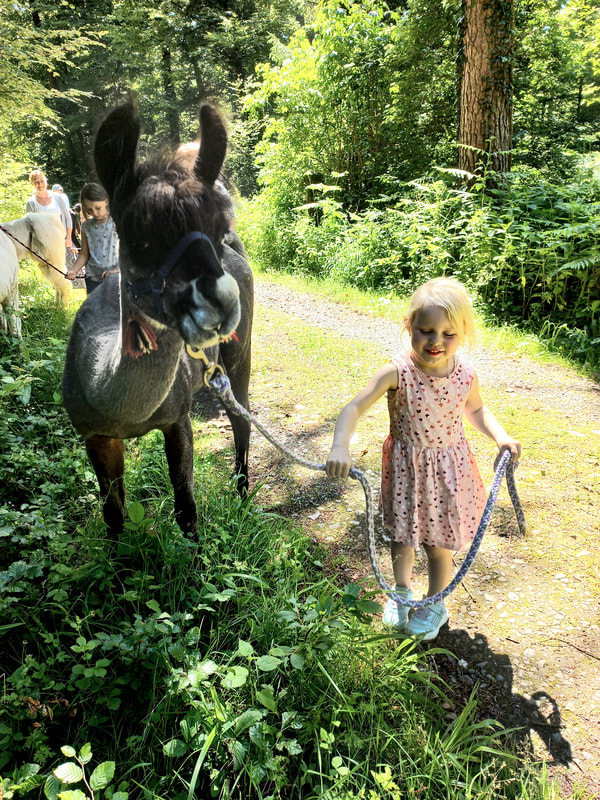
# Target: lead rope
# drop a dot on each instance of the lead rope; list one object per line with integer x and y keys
{"x": 37, "y": 255}
{"x": 219, "y": 382}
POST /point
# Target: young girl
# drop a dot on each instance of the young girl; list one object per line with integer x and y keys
{"x": 431, "y": 490}
{"x": 99, "y": 252}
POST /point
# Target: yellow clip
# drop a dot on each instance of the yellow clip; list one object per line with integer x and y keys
{"x": 210, "y": 367}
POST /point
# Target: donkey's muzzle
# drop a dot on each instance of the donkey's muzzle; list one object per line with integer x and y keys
{"x": 210, "y": 319}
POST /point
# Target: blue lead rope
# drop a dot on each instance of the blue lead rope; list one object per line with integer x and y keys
{"x": 220, "y": 384}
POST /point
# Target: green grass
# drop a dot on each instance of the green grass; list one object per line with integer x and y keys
{"x": 232, "y": 667}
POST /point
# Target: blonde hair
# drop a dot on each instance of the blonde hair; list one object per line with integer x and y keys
{"x": 449, "y": 294}
{"x": 35, "y": 173}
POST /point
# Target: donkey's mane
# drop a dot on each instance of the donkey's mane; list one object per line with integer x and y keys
{"x": 170, "y": 191}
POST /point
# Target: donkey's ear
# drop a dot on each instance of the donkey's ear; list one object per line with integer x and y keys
{"x": 213, "y": 146}
{"x": 115, "y": 148}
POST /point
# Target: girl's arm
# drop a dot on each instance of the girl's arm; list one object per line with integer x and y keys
{"x": 339, "y": 460}
{"x": 82, "y": 258}
{"x": 482, "y": 418}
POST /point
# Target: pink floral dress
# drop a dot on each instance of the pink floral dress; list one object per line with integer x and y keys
{"x": 431, "y": 489}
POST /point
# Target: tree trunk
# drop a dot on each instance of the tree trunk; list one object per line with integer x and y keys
{"x": 485, "y": 127}
{"x": 171, "y": 98}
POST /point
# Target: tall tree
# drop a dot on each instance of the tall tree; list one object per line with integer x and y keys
{"x": 359, "y": 102}
{"x": 485, "y": 126}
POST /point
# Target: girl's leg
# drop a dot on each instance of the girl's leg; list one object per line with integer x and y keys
{"x": 427, "y": 621}
{"x": 395, "y": 613}
{"x": 439, "y": 568}
{"x": 403, "y": 559}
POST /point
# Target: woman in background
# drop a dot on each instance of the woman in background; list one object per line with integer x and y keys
{"x": 46, "y": 202}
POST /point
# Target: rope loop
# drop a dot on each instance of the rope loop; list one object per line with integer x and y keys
{"x": 220, "y": 384}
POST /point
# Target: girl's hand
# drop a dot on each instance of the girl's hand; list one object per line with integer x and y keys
{"x": 509, "y": 444}
{"x": 70, "y": 276}
{"x": 339, "y": 462}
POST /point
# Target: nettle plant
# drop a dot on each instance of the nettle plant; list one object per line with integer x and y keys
{"x": 69, "y": 781}
{"x": 72, "y": 773}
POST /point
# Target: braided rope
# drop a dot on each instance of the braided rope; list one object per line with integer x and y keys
{"x": 220, "y": 384}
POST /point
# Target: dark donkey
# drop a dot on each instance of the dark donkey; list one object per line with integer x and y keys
{"x": 129, "y": 367}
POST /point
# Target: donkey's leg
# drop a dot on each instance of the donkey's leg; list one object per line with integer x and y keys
{"x": 236, "y": 355}
{"x": 62, "y": 287}
{"x": 239, "y": 378}
{"x": 108, "y": 461}
{"x": 179, "y": 447}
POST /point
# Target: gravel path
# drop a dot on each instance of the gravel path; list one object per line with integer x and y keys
{"x": 525, "y": 631}
{"x": 552, "y": 386}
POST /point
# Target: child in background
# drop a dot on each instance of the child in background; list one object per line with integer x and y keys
{"x": 431, "y": 490}
{"x": 99, "y": 252}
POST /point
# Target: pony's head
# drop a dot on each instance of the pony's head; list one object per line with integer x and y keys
{"x": 171, "y": 221}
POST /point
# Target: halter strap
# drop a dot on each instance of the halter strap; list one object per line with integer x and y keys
{"x": 154, "y": 284}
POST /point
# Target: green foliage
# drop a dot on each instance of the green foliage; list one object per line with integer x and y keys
{"x": 556, "y": 57}
{"x": 173, "y": 56}
{"x": 529, "y": 250}
{"x": 35, "y": 54}
{"x": 28, "y": 778}
{"x": 74, "y": 772}
{"x": 340, "y": 108}
{"x": 363, "y": 95}
{"x": 14, "y": 188}
{"x": 25, "y": 50}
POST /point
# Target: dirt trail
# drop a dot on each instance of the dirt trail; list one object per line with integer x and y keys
{"x": 524, "y": 625}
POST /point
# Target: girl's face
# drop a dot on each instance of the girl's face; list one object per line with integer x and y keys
{"x": 95, "y": 209}
{"x": 434, "y": 340}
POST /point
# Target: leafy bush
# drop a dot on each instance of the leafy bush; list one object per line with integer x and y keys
{"x": 529, "y": 250}
{"x": 350, "y": 102}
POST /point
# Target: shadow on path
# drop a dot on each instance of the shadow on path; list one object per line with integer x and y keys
{"x": 477, "y": 665}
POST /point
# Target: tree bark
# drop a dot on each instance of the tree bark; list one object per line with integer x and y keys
{"x": 171, "y": 97}
{"x": 485, "y": 127}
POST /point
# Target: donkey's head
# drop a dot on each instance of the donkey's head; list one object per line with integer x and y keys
{"x": 171, "y": 224}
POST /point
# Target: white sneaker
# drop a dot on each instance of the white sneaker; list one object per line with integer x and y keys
{"x": 426, "y": 622}
{"x": 394, "y": 614}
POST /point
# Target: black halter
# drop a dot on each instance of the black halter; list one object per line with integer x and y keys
{"x": 155, "y": 284}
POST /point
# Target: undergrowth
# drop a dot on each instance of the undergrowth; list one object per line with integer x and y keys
{"x": 528, "y": 250}
{"x": 165, "y": 667}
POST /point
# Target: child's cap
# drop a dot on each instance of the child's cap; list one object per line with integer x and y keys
{"x": 57, "y": 187}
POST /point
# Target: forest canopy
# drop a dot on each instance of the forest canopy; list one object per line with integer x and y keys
{"x": 368, "y": 89}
